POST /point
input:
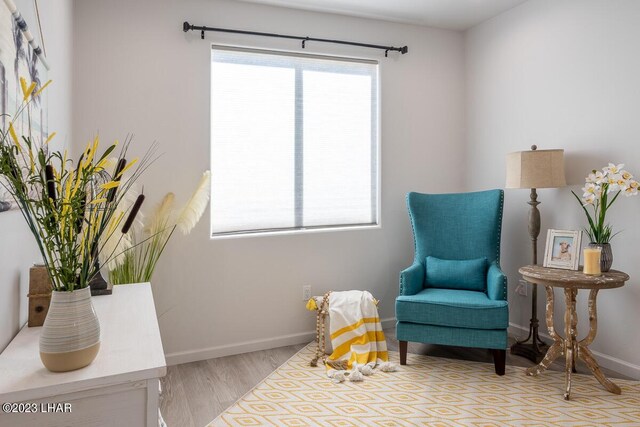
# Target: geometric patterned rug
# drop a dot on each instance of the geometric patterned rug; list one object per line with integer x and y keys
{"x": 430, "y": 391}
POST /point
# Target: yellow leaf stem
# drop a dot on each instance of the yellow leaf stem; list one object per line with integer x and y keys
{"x": 51, "y": 135}
{"x": 126, "y": 168}
{"x": 14, "y": 136}
{"x": 39, "y": 91}
{"x": 109, "y": 185}
{"x": 23, "y": 85}
{"x": 30, "y": 89}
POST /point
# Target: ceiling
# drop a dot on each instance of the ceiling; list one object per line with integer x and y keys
{"x": 449, "y": 14}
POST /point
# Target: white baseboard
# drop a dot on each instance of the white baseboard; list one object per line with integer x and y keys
{"x": 604, "y": 360}
{"x": 249, "y": 346}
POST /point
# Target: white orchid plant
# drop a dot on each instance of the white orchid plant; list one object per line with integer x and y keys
{"x": 600, "y": 191}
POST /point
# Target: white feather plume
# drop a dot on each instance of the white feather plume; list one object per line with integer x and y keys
{"x": 195, "y": 207}
{"x": 114, "y": 248}
{"x": 161, "y": 216}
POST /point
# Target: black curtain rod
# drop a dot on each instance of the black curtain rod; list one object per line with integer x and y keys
{"x": 188, "y": 27}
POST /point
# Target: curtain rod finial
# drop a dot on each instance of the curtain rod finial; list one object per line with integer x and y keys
{"x": 404, "y": 49}
{"x": 185, "y": 26}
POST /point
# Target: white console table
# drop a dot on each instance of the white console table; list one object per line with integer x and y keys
{"x": 120, "y": 388}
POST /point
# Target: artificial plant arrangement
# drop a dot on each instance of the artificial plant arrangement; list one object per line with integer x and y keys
{"x": 75, "y": 219}
{"x": 150, "y": 236}
{"x": 601, "y": 190}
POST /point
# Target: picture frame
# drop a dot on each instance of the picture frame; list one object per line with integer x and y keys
{"x": 562, "y": 249}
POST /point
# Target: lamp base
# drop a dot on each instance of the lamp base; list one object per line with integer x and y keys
{"x": 535, "y": 353}
{"x": 532, "y": 347}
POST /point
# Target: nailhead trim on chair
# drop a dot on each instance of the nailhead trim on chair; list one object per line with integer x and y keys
{"x": 415, "y": 244}
{"x": 413, "y": 229}
{"x": 504, "y": 286}
{"x": 504, "y": 280}
{"x": 499, "y": 227}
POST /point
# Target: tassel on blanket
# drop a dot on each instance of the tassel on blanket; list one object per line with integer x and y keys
{"x": 366, "y": 370}
{"x": 337, "y": 376}
{"x": 388, "y": 367}
{"x": 355, "y": 375}
{"x": 311, "y": 304}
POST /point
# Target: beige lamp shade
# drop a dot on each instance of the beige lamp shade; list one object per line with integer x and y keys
{"x": 536, "y": 169}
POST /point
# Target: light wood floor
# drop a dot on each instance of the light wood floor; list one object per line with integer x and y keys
{"x": 195, "y": 393}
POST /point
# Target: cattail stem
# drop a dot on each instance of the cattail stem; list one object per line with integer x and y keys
{"x": 51, "y": 183}
{"x": 80, "y": 161}
{"x": 116, "y": 177}
{"x": 132, "y": 215}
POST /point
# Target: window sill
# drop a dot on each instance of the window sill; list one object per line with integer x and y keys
{"x": 242, "y": 235}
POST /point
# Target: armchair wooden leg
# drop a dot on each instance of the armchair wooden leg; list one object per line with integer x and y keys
{"x": 499, "y": 360}
{"x": 403, "y": 352}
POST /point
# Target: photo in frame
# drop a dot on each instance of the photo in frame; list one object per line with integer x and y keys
{"x": 562, "y": 249}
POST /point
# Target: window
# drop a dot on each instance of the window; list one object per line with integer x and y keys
{"x": 294, "y": 141}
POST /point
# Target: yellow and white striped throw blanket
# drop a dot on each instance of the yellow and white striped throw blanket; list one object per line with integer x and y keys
{"x": 356, "y": 336}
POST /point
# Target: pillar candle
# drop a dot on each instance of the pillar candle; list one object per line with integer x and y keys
{"x": 592, "y": 261}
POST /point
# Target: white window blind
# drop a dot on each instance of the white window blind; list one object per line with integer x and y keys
{"x": 294, "y": 141}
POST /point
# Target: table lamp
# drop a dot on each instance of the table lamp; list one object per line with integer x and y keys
{"x": 534, "y": 169}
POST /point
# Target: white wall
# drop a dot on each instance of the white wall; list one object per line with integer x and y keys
{"x": 19, "y": 250}
{"x": 136, "y": 71}
{"x": 561, "y": 74}
{"x": 57, "y": 26}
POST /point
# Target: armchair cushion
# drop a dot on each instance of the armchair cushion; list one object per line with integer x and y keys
{"x": 469, "y": 274}
{"x": 453, "y": 308}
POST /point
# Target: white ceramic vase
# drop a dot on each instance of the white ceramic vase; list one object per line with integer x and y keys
{"x": 70, "y": 336}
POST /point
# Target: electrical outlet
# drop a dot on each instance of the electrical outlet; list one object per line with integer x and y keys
{"x": 522, "y": 288}
{"x": 306, "y": 292}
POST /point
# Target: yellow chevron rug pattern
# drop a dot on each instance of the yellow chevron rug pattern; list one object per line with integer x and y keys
{"x": 430, "y": 391}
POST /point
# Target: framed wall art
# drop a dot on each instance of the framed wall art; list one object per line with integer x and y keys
{"x": 21, "y": 56}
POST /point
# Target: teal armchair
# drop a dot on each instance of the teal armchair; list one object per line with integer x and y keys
{"x": 455, "y": 293}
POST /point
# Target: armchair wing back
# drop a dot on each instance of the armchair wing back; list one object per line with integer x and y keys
{"x": 456, "y": 226}
{"x": 465, "y": 303}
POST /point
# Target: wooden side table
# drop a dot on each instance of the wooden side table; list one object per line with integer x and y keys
{"x": 570, "y": 346}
